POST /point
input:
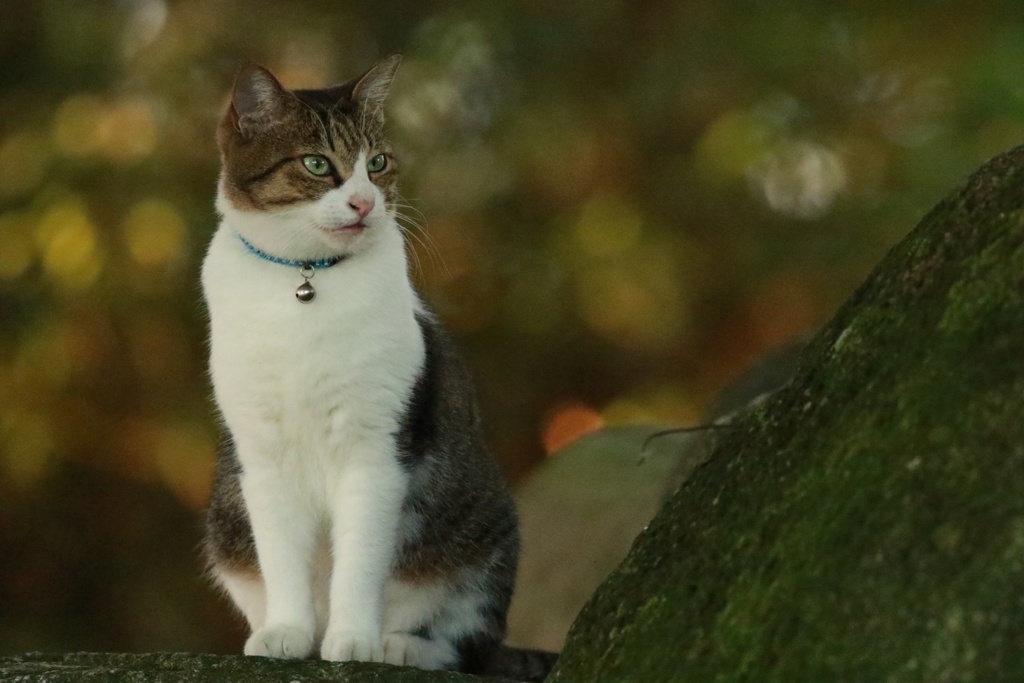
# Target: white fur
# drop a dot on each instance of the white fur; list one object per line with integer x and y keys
{"x": 249, "y": 595}
{"x": 312, "y": 394}
{"x": 452, "y": 615}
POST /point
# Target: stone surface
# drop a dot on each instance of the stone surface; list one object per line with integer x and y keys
{"x": 196, "y": 668}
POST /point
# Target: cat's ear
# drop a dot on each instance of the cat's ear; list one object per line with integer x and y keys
{"x": 371, "y": 89}
{"x": 258, "y": 99}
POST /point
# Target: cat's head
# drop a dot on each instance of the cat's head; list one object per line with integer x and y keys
{"x": 307, "y": 174}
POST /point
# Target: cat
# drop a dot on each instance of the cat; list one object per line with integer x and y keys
{"x": 356, "y": 513}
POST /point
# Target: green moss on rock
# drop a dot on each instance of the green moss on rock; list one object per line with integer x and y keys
{"x": 867, "y": 522}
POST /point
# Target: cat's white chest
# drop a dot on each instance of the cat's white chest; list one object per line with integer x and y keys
{"x": 298, "y": 382}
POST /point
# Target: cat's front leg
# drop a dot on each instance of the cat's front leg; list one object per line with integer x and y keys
{"x": 365, "y": 516}
{"x": 284, "y": 528}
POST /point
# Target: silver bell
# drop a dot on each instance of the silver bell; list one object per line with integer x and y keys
{"x": 305, "y": 293}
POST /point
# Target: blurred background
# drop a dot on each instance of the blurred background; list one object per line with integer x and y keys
{"x": 623, "y": 205}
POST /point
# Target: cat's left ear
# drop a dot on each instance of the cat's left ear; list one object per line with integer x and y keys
{"x": 371, "y": 89}
{"x": 258, "y": 100}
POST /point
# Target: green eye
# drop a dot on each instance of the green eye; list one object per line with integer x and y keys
{"x": 316, "y": 164}
{"x": 377, "y": 164}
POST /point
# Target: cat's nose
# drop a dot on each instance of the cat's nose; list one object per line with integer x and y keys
{"x": 361, "y": 204}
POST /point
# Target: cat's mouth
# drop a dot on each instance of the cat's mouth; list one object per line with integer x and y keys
{"x": 349, "y": 229}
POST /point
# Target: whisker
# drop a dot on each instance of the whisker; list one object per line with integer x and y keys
{"x": 421, "y": 217}
{"x": 415, "y": 239}
{"x": 416, "y": 263}
{"x": 415, "y": 229}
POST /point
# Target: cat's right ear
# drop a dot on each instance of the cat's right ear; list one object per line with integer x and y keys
{"x": 258, "y": 99}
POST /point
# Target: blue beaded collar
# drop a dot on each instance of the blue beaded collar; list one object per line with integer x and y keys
{"x": 315, "y": 265}
{"x": 307, "y": 269}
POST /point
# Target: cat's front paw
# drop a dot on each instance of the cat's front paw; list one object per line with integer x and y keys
{"x": 346, "y": 646}
{"x": 280, "y": 641}
{"x": 405, "y": 649}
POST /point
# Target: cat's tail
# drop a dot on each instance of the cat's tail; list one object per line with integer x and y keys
{"x": 520, "y": 664}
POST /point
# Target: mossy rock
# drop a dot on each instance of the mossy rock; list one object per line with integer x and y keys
{"x": 866, "y": 523}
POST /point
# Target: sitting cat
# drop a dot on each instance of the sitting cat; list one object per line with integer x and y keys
{"x": 355, "y": 509}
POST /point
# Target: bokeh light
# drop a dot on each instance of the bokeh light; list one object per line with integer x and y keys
{"x": 154, "y": 233}
{"x": 123, "y": 131}
{"x": 567, "y": 423}
{"x": 69, "y": 242}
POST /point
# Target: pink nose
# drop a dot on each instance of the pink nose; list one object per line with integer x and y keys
{"x": 361, "y": 204}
